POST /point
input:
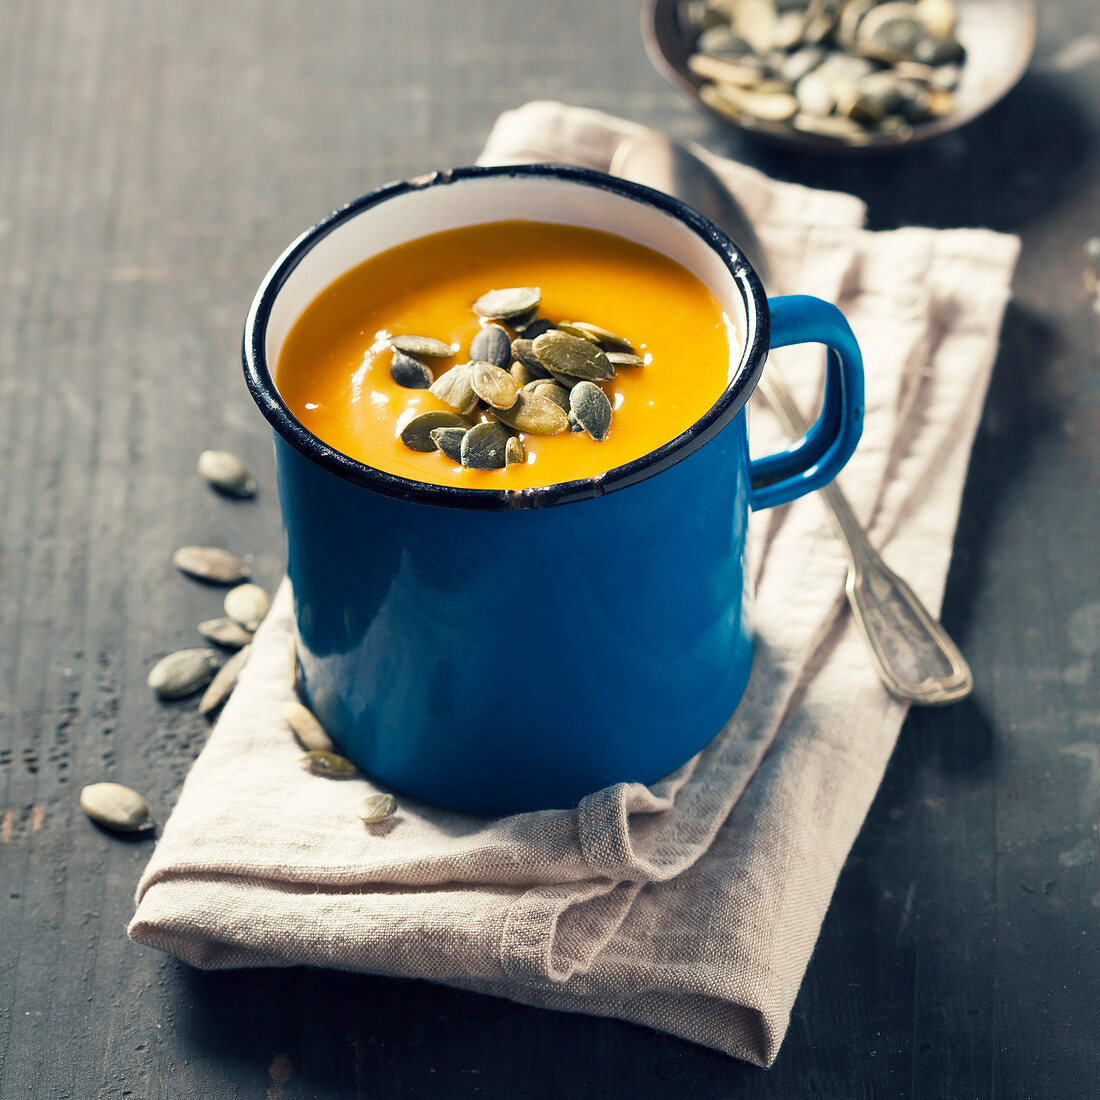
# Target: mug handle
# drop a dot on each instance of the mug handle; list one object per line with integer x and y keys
{"x": 815, "y": 459}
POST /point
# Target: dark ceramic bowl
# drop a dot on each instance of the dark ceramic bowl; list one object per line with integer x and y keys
{"x": 998, "y": 35}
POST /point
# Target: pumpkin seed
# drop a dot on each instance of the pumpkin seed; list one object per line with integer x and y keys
{"x": 227, "y": 473}
{"x": 116, "y": 807}
{"x": 535, "y": 327}
{"x": 377, "y": 807}
{"x": 247, "y": 604}
{"x": 756, "y": 21}
{"x": 720, "y": 41}
{"x": 801, "y": 62}
{"x": 331, "y": 764}
{"x": 934, "y": 52}
{"x": 890, "y": 32}
{"x": 523, "y": 351}
{"x": 938, "y": 16}
{"x": 607, "y": 340}
{"x": 573, "y": 356}
{"x": 409, "y": 372}
{"x": 829, "y": 126}
{"x": 789, "y": 28}
{"x": 449, "y": 441}
{"x": 454, "y": 387}
{"x": 483, "y": 447}
{"x": 547, "y": 387}
{"x": 422, "y": 345}
{"x": 769, "y": 106}
{"x": 590, "y": 406}
{"x": 535, "y": 414}
{"x": 183, "y": 673}
{"x": 576, "y": 330}
{"x": 417, "y": 432}
{"x": 307, "y": 730}
{"x": 575, "y": 426}
{"x": 820, "y": 20}
{"x": 224, "y": 682}
{"x": 225, "y": 632}
{"x": 210, "y": 564}
{"x": 848, "y": 21}
{"x": 945, "y": 78}
{"x": 624, "y": 359}
{"x": 815, "y": 95}
{"x": 741, "y": 73}
{"x": 895, "y": 126}
{"x": 494, "y": 386}
{"x": 524, "y": 375}
{"x": 295, "y": 667}
{"x": 514, "y": 451}
{"x": 492, "y": 345}
{"x": 940, "y": 104}
{"x": 499, "y": 305}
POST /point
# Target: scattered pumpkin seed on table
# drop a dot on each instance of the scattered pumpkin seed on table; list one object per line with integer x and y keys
{"x": 307, "y": 730}
{"x": 225, "y": 680}
{"x": 183, "y": 673}
{"x": 377, "y": 807}
{"x": 247, "y": 604}
{"x": 227, "y": 473}
{"x": 225, "y": 632}
{"x": 116, "y": 807}
{"x": 330, "y": 764}
{"x": 294, "y": 668}
{"x": 210, "y": 564}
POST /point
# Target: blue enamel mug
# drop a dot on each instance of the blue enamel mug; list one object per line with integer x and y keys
{"x": 502, "y": 651}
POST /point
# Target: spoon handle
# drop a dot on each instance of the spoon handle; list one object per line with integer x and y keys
{"x": 913, "y": 654}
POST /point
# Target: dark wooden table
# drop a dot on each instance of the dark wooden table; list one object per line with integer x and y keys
{"x": 154, "y": 158}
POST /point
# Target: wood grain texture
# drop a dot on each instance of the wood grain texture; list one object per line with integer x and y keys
{"x": 154, "y": 159}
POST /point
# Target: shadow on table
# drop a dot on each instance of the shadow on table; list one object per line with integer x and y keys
{"x": 1008, "y": 167}
{"x": 330, "y": 1034}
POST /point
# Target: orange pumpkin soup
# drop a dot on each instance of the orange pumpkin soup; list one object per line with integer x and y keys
{"x": 334, "y": 368}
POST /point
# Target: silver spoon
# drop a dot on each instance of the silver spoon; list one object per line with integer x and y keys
{"x": 914, "y": 656}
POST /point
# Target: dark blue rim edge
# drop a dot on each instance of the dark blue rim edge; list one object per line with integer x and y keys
{"x": 261, "y": 384}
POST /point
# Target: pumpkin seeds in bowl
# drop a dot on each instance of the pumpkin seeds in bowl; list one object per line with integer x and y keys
{"x": 746, "y": 59}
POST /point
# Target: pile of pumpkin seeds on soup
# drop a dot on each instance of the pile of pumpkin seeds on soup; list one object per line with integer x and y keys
{"x": 524, "y": 374}
{"x": 842, "y": 69}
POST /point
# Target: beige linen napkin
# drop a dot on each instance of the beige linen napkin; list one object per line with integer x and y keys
{"x": 693, "y": 905}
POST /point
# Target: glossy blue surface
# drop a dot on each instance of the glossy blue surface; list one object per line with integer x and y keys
{"x": 815, "y": 459}
{"x": 504, "y": 661}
